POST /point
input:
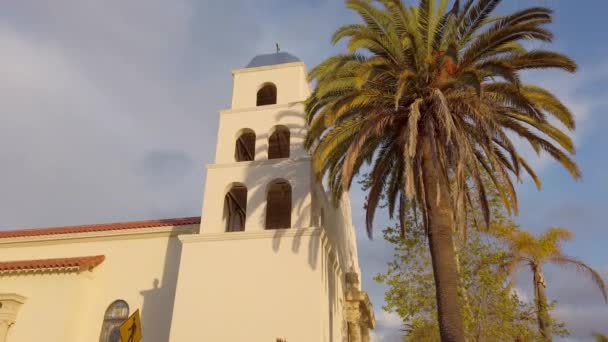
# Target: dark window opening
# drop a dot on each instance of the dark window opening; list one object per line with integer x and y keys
{"x": 278, "y": 143}
{"x": 278, "y": 206}
{"x": 235, "y": 208}
{"x": 267, "y": 95}
{"x": 245, "y": 147}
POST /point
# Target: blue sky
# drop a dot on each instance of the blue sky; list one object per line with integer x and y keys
{"x": 110, "y": 112}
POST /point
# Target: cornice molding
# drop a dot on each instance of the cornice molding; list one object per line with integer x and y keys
{"x": 264, "y": 108}
{"x": 265, "y": 162}
{"x": 263, "y": 234}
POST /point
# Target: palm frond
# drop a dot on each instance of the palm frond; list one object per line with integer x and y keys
{"x": 563, "y": 260}
{"x": 451, "y": 76}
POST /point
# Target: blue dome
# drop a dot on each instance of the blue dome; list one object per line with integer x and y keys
{"x": 272, "y": 59}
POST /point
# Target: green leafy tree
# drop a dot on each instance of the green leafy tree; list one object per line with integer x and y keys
{"x": 524, "y": 249}
{"x": 600, "y": 337}
{"x": 492, "y": 312}
{"x": 430, "y": 96}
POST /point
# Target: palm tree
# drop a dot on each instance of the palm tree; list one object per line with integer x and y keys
{"x": 430, "y": 100}
{"x": 527, "y": 250}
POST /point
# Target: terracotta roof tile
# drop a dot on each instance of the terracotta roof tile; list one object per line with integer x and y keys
{"x": 78, "y": 264}
{"x": 100, "y": 227}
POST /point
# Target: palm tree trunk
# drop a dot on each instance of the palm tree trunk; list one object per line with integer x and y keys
{"x": 542, "y": 309}
{"x": 465, "y": 303}
{"x": 440, "y": 235}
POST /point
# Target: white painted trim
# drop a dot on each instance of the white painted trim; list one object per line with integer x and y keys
{"x": 260, "y": 162}
{"x": 269, "y": 67}
{"x": 123, "y": 234}
{"x": 12, "y": 297}
{"x": 262, "y": 108}
{"x": 265, "y": 234}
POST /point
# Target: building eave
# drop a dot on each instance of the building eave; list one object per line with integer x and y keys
{"x": 62, "y": 265}
{"x": 97, "y": 236}
{"x": 121, "y": 230}
{"x": 269, "y": 67}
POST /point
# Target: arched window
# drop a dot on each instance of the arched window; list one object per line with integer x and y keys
{"x": 235, "y": 208}
{"x": 278, "y": 205}
{"x": 267, "y": 95}
{"x": 245, "y": 146}
{"x": 115, "y": 315}
{"x": 278, "y": 143}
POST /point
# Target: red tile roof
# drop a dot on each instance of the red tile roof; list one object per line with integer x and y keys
{"x": 78, "y": 264}
{"x": 100, "y": 227}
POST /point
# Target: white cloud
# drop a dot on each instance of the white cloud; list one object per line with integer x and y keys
{"x": 389, "y": 319}
{"x": 88, "y": 98}
{"x": 388, "y": 328}
{"x": 521, "y": 294}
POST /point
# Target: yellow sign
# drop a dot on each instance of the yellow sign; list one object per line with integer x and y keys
{"x": 130, "y": 330}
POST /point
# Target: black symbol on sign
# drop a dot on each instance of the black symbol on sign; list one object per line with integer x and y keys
{"x": 132, "y": 330}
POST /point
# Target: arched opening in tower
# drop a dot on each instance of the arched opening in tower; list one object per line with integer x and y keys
{"x": 245, "y": 146}
{"x": 278, "y": 143}
{"x": 278, "y": 205}
{"x": 267, "y": 95}
{"x": 235, "y": 208}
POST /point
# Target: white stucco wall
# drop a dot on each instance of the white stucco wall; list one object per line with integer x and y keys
{"x": 250, "y": 286}
{"x": 257, "y": 286}
{"x": 140, "y": 267}
{"x": 54, "y": 303}
{"x": 336, "y": 220}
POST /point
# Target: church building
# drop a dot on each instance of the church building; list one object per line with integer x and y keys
{"x": 270, "y": 258}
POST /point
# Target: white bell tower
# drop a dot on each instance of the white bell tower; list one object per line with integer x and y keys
{"x": 283, "y": 87}
{"x": 273, "y": 258}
